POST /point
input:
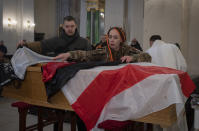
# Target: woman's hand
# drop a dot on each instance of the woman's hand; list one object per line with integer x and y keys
{"x": 126, "y": 59}
{"x": 62, "y": 57}
{"x": 20, "y": 44}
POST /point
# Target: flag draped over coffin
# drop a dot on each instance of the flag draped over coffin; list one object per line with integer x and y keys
{"x": 126, "y": 93}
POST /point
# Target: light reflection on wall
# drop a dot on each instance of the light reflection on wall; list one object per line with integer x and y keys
{"x": 9, "y": 23}
{"x": 28, "y": 25}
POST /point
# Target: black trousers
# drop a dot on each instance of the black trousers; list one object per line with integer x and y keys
{"x": 80, "y": 124}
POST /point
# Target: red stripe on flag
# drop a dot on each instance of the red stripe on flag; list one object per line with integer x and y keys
{"x": 187, "y": 84}
{"x": 111, "y": 82}
{"x": 50, "y": 69}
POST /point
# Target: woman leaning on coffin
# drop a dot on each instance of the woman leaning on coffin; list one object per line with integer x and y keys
{"x": 116, "y": 50}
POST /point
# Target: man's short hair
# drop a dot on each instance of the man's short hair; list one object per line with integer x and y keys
{"x": 3, "y": 49}
{"x": 155, "y": 37}
{"x": 177, "y": 45}
{"x": 69, "y": 18}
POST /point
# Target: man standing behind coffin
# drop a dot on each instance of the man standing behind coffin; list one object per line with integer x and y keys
{"x": 68, "y": 40}
{"x": 166, "y": 54}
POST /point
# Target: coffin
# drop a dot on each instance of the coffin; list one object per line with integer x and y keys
{"x": 33, "y": 91}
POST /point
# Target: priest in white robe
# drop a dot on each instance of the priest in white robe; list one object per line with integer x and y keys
{"x": 166, "y": 54}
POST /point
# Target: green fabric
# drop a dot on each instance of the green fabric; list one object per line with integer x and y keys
{"x": 88, "y": 25}
{"x": 95, "y": 24}
{"x": 96, "y": 20}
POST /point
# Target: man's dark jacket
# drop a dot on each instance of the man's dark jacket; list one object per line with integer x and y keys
{"x": 60, "y": 44}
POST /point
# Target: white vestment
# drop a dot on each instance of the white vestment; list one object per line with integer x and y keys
{"x": 167, "y": 55}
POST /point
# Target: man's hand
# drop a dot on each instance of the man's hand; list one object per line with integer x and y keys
{"x": 126, "y": 59}
{"x": 62, "y": 57}
{"x": 20, "y": 44}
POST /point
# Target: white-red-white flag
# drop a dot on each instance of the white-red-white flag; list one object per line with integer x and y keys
{"x": 127, "y": 93}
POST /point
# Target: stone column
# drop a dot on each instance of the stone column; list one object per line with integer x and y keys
{"x": 114, "y": 13}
